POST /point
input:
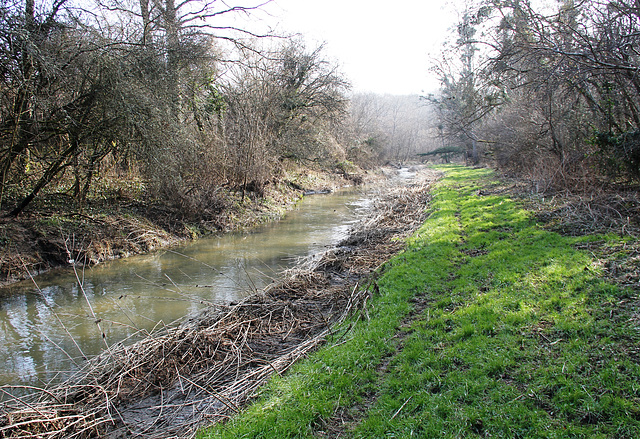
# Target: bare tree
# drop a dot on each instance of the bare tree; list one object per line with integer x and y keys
{"x": 573, "y": 67}
{"x": 150, "y": 79}
{"x": 390, "y": 128}
{"x": 56, "y": 81}
{"x": 311, "y": 93}
{"x": 466, "y": 98}
{"x": 275, "y": 108}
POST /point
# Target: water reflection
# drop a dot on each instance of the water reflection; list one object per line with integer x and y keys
{"x": 47, "y": 331}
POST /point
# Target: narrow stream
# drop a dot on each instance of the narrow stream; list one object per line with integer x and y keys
{"x": 46, "y": 331}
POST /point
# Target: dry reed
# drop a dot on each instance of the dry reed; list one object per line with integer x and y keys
{"x": 206, "y": 368}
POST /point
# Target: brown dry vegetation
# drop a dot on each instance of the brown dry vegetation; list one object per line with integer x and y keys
{"x": 46, "y": 237}
{"x": 206, "y": 368}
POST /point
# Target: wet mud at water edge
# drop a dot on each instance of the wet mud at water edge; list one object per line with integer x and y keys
{"x": 205, "y": 368}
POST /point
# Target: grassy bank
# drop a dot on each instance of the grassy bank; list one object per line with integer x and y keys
{"x": 487, "y": 325}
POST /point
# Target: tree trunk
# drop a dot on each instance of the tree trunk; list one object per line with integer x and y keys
{"x": 173, "y": 46}
{"x": 44, "y": 180}
{"x": 474, "y": 150}
{"x": 146, "y": 22}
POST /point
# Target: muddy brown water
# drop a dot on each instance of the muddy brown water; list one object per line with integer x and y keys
{"x": 47, "y": 331}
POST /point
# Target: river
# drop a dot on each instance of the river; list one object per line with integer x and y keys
{"x": 46, "y": 331}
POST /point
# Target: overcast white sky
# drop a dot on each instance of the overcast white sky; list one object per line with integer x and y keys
{"x": 382, "y": 46}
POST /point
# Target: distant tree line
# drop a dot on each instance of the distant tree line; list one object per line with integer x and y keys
{"x": 549, "y": 91}
{"x": 397, "y": 129}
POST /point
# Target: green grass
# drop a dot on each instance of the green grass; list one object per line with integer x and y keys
{"x": 518, "y": 336}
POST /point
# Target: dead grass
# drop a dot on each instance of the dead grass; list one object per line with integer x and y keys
{"x": 208, "y": 367}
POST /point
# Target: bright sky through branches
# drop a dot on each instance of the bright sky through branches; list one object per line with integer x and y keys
{"x": 382, "y": 46}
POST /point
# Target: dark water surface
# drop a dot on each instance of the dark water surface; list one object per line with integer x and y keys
{"x": 45, "y": 331}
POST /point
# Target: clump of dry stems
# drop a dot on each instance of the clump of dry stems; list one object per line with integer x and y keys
{"x": 206, "y": 368}
{"x": 594, "y": 213}
{"x": 598, "y": 212}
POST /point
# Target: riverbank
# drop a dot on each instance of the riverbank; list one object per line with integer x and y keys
{"x": 504, "y": 317}
{"x": 205, "y": 369}
{"x": 498, "y": 316}
{"x": 121, "y": 223}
